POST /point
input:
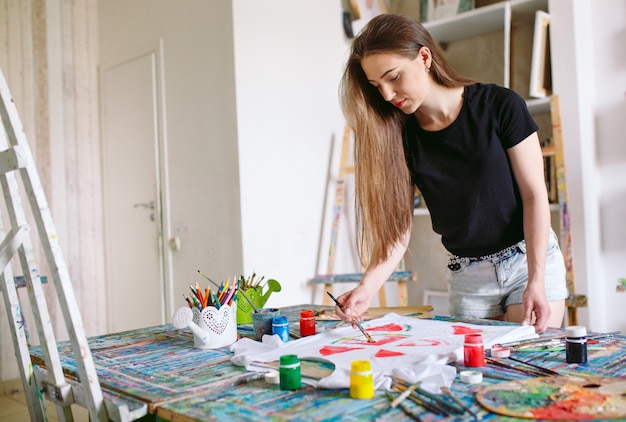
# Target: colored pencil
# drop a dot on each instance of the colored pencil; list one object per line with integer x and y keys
{"x": 188, "y": 301}
{"x": 228, "y": 296}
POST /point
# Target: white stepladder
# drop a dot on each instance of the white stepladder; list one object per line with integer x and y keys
{"x": 16, "y": 164}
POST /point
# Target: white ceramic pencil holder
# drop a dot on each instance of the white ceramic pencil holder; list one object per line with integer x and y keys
{"x": 220, "y": 325}
{"x": 212, "y": 328}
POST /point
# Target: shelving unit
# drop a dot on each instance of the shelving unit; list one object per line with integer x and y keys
{"x": 504, "y": 18}
{"x": 500, "y": 16}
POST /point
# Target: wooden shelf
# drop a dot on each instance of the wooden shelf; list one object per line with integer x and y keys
{"x": 483, "y": 19}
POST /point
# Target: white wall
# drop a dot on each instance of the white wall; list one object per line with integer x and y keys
{"x": 202, "y": 192}
{"x": 289, "y": 57}
{"x": 589, "y": 62}
{"x": 608, "y": 20}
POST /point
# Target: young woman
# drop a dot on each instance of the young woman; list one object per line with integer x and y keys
{"x": 473, "y": 152}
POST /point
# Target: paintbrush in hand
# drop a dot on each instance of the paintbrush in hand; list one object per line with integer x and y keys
{"x": 367, "y": 335}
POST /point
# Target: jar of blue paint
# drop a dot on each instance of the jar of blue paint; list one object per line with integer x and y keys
{"x": 280, "y": 327}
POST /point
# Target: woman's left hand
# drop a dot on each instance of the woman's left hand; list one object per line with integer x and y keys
{"x": 536, "y": 307}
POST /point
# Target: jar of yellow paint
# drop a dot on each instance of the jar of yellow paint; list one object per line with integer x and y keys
{"x": 361, "y": 380}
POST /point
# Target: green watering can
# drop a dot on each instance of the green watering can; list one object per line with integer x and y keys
{"x": 257, "y": 297}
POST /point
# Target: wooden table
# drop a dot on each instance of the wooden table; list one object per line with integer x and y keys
{"x": 158, "y": 367}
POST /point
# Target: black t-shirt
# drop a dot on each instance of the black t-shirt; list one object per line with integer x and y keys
{"x": 464, "y": 173}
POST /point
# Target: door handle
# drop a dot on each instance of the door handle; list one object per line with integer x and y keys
{"x": 149, "y": 205}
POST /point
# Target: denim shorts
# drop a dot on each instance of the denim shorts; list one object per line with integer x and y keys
{"x": 484, "y": 287}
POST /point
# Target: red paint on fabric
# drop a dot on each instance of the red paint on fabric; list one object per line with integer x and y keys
{"x": 333, "y": 350}
{"x": 386, "y": 327}
{"x": 382, "y": 353}
{"x": 428, "y": 342}
{"x": 460, "y": 329}
{"x": 379, "y": 341}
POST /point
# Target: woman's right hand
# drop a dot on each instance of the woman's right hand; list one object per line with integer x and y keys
{"x": 355, "y": 302}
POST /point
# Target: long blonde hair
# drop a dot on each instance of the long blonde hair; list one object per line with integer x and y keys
{"x": 384, "y": 191}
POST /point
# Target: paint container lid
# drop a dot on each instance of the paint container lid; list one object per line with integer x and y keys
{"x": 361, "y": 367}
{"x": 473, "y": 338}
{"x": 471, "y": 377}
{"x": 307, "y": 313}
{"x": 279, "y": 320}
{"x": 289, "y": 361}
{"x": 500, "y": 352}
{"x": 575, "y": 331}
{"x": 272, "y": 377}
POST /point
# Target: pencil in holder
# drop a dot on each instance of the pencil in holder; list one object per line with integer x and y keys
{"x": 244, "y": 309}
{"x": 257, "y": 297}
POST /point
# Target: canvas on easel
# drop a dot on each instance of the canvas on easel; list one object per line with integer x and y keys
{"x": 540, "y": 70}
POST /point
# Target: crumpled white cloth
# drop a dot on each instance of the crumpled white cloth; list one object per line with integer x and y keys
{"x": 408, "y": 348}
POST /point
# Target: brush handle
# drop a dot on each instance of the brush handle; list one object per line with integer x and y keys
{"x": 354, "y": 321}
{"x": 245, "y": 296}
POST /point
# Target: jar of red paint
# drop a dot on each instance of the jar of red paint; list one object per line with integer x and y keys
{"x": 307, "y": 323}
{"x": 473, "y": 350}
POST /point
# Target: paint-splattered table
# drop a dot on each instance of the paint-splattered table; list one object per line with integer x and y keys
{"x": 157, "y": 366}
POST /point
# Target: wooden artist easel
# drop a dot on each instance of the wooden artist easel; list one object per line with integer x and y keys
{"x": 16, "y": 164}
{"x": 574, "y": 301}
{"x": 401, "y": 276}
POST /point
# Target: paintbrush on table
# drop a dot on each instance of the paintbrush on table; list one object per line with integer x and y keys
{"x": 546, "y": 371}
{"x": 534, "y": 341}
{"x": 455, "y": 399}
{"x": 367, "y": 335}
{"x": 404, "y": 395}
{"x": 434, "y": 399}
{"x": 528, "y": 371}
{"x": 404, "y": 409}
{"x": 426, "y": 404}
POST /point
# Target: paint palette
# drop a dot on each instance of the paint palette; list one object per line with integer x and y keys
{"x": 557, "y": 398}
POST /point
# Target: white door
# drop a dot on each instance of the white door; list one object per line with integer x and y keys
{"x": 131, "y": 167}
